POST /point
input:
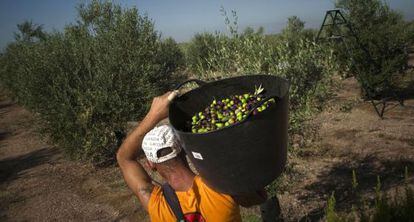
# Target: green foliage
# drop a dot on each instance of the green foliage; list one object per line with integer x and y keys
{"x": 380, "y": 53}
{"x": 200, "y": 47}
{"x": 385, "y": 209}
{"x": 29, "y": 32}
{"x": 295, "y": 30}
{"x": 354, "y": 180}
{"x": 330, "y": 213}
{"x": 251, "y": 218}
{"x": 306, "y": 65}
{"x": 88, "y": 81}
{"x": 410, "y": 28}
{"x": 170, "y": 56}
{"x": 294, "y": 25}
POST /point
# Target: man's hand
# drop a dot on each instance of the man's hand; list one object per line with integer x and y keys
{"x": 160, "y": 106}
{"x": 134, "y": 174}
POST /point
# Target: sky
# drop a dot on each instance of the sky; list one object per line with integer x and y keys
{"x": 180, "y": 19}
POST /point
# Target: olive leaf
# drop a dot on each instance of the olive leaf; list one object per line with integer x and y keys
{"x": 259, "y": 90}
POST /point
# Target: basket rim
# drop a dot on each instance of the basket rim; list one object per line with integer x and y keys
{"x": 244, "y": 120}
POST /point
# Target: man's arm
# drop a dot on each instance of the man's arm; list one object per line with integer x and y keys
{"x": 134, "y": 173}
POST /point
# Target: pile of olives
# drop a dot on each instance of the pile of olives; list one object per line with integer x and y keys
{"x": 228, "y": 111}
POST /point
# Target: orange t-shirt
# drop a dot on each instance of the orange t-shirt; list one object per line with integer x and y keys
{"x": 213, "y": 206}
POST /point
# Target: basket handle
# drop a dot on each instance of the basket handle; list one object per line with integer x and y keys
{"x": 260, "y": 103}
{"x": 199, "y": 82}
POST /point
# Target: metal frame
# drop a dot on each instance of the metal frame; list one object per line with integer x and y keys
{"x": 338, "y": 20}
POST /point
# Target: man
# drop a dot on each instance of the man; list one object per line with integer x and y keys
{"x": 163, "y": 152}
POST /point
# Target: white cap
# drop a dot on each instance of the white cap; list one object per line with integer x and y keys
{"x": 157, "y": 139}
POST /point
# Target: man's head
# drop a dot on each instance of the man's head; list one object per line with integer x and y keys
{"x": 162, "y": 148}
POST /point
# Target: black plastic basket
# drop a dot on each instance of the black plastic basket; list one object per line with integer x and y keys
{"x": 243, "y": 157}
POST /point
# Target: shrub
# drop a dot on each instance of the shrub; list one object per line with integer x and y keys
{"x": 170, "y": 56}
{"x": 200, "y": 47}
{"x": 88, "y": 81}
{"x": 410, "y": 32}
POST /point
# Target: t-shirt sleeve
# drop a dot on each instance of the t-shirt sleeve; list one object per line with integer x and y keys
{"x": 219, "y": 206}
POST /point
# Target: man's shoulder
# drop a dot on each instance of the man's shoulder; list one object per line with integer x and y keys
{"x": 205, "y": 189}
{"x": 203, "y": 185}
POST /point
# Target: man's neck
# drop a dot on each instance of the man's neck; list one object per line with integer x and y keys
{"x": 181, "y": 179}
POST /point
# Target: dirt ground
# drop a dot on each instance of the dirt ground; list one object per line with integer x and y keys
{"x": 350, "y": 136}
{"x": 38, "y": 184}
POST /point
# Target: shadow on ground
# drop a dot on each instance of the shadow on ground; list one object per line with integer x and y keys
{"x": 11, "y": 168}
{"x": 4, "y": 135}
{"x": 338, "y": 179}
{"x": 5, "y": 105}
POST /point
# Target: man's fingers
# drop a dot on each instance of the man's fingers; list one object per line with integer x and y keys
{"x": 172, "y": 95}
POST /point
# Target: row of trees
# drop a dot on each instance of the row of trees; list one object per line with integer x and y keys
{"x": 86, "y": 82}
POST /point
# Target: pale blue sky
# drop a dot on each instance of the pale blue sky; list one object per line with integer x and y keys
{"x": 180, "y": 19}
